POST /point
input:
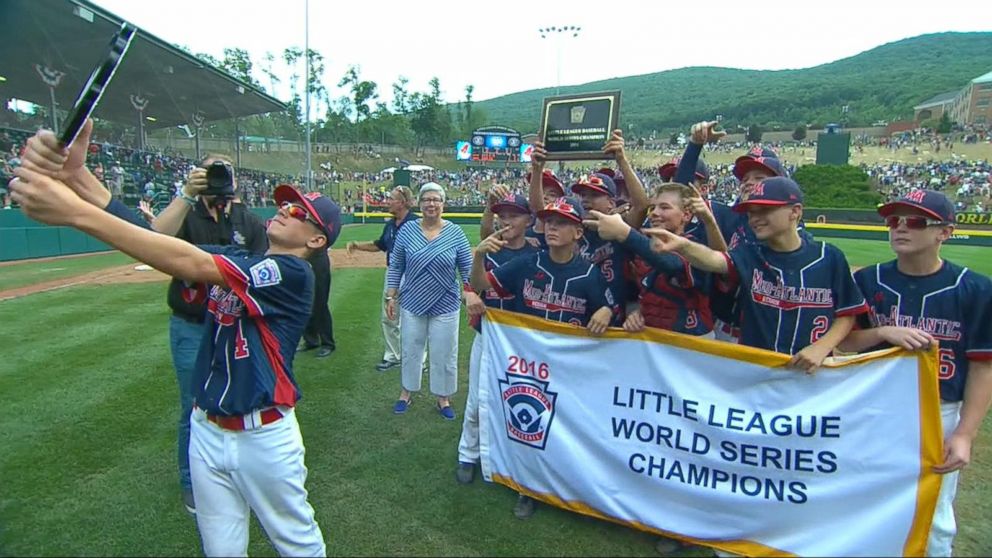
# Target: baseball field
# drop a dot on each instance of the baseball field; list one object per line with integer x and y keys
{"x": 89, "y": 429}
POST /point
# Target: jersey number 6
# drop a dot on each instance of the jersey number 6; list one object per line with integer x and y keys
{"x": 947, "y": 365}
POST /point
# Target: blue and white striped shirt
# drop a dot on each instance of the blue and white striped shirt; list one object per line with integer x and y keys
{"x": 424, "y": 271}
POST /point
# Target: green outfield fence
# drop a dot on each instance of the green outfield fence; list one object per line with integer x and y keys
{"x": 22, "y": 238}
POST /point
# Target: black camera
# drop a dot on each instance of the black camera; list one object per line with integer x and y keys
{"x": 220, "y": 180}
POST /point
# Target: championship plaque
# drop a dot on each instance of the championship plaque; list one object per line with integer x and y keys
{"x": 575, "y": 127}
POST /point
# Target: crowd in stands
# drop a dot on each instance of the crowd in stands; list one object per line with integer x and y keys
{"x": 152, "y": 176}
{"x": 156, "y": 176}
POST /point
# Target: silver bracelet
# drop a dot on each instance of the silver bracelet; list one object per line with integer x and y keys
{"x": 187, "y": 199}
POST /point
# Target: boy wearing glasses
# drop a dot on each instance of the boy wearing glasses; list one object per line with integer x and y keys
{"x": 917, "y": 299}
{"x": 795, "y": 295}
{"x": 246, "y": 451}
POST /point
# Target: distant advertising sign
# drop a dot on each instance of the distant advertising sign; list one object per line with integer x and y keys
{"x": 463, "y": 151}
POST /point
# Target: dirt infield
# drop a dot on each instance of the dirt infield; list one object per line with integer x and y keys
{"x": 128, "y": 274}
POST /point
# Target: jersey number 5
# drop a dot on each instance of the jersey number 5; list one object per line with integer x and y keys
{"x": 607, "y": 268}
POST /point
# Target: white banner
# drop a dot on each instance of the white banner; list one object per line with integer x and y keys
{"x": 713, "y": 443}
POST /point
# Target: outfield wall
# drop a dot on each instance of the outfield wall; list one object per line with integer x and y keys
{"x": 22, "y": 238}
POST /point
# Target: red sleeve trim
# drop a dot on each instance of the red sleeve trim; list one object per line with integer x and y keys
{"x": 732, "y": 275}
{"x": 853, "y": 311}
{"x": 237, "y": 281}
{"x": 497, "y": 286}
{"x": 979, "y": 354}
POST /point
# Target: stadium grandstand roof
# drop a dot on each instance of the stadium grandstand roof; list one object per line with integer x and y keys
{"x": 985, "y": 78}
{"x": 71, "y": 36}
{"x": 941, "y": 99}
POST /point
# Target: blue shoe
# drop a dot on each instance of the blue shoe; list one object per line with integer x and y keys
{"x": 446, "y": 412}
{"x": 400, "y": 407}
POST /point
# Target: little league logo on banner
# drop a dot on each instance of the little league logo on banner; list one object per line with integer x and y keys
{"x": 529, "y": 408}
{"x": 713, "y": 443}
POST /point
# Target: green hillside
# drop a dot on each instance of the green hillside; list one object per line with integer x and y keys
{"x": 880, "y": 84}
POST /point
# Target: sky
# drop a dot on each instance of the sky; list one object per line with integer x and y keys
{"x": 496, "y": 46}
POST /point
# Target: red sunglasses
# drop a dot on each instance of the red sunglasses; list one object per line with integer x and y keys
{"x": 299, "y": 213}
{"x": 913, "y": 222}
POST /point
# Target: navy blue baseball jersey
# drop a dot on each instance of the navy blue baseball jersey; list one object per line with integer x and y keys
{"x": 246, "y": 356}
{"x": 570, "y": 292}
{"x": 611, "y": 258}
{"x": 788, "y": 300}
{"x": 953, "y": 305}
{"x": 673, "y": 295}
{"x": 493, "y": 261}
{"x": 390, "y": 229}
{"x": 535, "y": 238}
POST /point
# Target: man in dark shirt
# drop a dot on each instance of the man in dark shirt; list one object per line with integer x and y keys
{"x": 400, "y": 201}
{"x": 202, "y": 220}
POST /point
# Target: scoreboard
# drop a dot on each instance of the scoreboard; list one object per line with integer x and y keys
{"x": 495, "y": 144}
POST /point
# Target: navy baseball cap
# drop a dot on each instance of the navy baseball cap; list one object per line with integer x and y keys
{"x": 512, "y": 202}
{"x": 598, "y": 183}
{"x": 566, "y": 206}
{"x": 933, "y": 204}
{"x": 746, "y": 163}
{"x": 668, "y": 170}
{"x": 777, "y": 190}
{"x": 321, "y": 208}
{"x": 548, "y": 179}
{"x": 619, "y": 179}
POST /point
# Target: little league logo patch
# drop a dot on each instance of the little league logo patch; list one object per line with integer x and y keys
{"x": 265, "y": 273}
{"x": 528, "y": 408}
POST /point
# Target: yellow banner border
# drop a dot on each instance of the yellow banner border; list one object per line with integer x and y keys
{"x": 931, "y": 431}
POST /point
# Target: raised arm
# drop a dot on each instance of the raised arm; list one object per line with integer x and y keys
{"x": 170, "y": 220}
{"x": 701, "y": 209}
{"x": 638, "y": 197}
{"x": 536, "y": 191}
{"x": 479, "y": 278}
{"x": 50, "y": 201}
{"x": 496, "y": 193}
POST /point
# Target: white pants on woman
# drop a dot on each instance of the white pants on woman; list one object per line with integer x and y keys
{"x": 441, "y": 334}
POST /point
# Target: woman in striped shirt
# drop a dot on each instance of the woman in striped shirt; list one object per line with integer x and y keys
{"x": 422, "y": 267}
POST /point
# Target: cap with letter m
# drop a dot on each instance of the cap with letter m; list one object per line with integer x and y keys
{"x": 567, "y": 207}
{"x": 597, "y": 183}
{"x": 512, "y": 202}
{"x": 777, "y": 190}
{"x": 932, "y": 204}
{"x": 668, "y": 170}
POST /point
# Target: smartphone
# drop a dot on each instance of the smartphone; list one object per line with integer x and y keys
{"x": 100, "y": 77}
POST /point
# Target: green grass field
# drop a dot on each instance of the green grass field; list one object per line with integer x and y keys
{"x": 88, "y": 460}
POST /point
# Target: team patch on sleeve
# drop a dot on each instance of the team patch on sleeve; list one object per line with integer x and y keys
{"x": 265, "y": 273}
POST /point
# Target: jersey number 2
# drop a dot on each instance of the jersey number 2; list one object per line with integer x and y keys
{"x": 240, "y": 344}
{"x": 820, "y": 326}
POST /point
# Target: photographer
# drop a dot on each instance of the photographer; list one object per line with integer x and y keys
{"x": 207, "y": 211}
